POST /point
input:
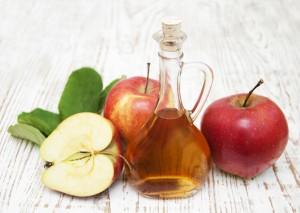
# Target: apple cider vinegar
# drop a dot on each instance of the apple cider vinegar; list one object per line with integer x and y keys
{"x": 170, "y": 157}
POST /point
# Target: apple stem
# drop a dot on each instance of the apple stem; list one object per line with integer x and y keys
{"x": 147, "y": 81}
{"x": 260, "y": 82}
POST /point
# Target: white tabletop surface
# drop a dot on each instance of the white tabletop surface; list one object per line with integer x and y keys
{"x": 41, "y": 42}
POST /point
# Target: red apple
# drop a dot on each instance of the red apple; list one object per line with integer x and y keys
{"x": 245, "y": 137}
{"x": 128, "y": 106}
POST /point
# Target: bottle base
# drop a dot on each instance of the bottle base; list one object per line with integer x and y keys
{"x": 167, "y": 186}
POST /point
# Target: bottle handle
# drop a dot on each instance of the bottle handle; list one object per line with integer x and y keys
{"x": 205, "y": 90}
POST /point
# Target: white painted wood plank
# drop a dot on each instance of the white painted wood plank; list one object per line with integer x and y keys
{"x": 42, "y": 42}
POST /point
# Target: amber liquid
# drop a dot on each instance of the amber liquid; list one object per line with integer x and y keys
{"x": 170, "y": 158}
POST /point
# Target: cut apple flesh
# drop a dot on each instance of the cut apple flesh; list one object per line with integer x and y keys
{"x": 80, "y": 132}
{"x": 73, "y": 153}
{"x": 81, "y": 178}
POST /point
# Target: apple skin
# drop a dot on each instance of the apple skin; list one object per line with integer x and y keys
{"x": 116, "y": 149}
{"x": 245, "y": 141}
{"x": 128, "y": 107}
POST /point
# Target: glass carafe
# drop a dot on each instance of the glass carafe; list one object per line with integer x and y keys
{"x": 170, "y": 157}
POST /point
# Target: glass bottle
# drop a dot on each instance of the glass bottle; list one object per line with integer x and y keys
{"x": 170, "y": 157}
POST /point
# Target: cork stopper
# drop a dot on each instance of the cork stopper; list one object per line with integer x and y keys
{"x": 171, "y": 27}
{"x": 171, "y": 37}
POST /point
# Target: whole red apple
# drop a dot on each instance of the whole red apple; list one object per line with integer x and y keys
{"x": 245, "y": 136}
{"x": 129, "y": 105}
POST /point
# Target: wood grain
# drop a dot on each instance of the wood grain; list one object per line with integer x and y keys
{"x": 41, "y": 42}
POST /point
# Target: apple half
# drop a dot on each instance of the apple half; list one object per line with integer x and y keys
{"x": 83, "y": 155}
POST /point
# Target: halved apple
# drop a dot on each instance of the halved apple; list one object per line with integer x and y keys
{"x": 83, "y": 155}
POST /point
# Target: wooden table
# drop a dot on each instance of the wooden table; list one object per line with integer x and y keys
{"x": 41, "y": 42}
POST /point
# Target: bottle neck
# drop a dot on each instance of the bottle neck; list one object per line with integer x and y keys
{"x": 169, "y": 67}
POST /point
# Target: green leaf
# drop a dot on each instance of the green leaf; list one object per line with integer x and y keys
{"x": 41, "y": 119}
{"x": 27, "y": 132}
{"x": 105, "y": 92}
{"x": 81, "y": 93}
